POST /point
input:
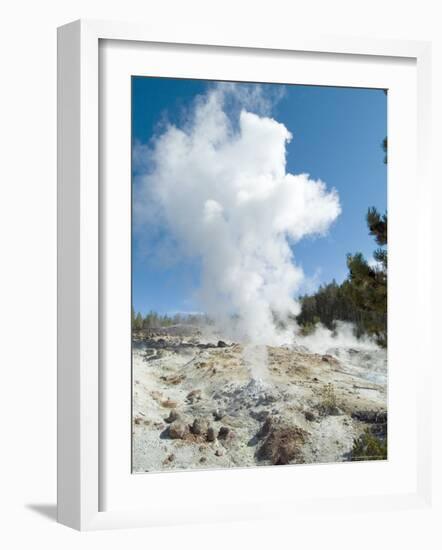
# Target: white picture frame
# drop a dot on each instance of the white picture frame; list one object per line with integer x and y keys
{"x": 80, "y": 438}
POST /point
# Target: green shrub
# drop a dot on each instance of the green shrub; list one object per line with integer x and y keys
{"x": 308, "y": 327}
{"x": 369, "y": 447}
{"x": 329, "y": 402}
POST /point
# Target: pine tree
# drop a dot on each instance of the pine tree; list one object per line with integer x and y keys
{"x": 385, "y": 149}
{"x": 138, "y": 323}
{"x": 377, "y": 225}
{"x": 132, "y": 316}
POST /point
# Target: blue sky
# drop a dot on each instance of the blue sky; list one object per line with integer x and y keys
{"x": 337, "y": 135}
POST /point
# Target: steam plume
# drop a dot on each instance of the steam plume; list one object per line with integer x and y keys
{"x": 219, "y": 184}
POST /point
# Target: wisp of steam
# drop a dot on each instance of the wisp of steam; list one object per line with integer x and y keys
{"x": 219, "y": 184}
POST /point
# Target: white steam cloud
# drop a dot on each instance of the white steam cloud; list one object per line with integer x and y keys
{"x": 219, "y": 183}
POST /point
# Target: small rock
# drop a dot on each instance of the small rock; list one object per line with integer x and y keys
{"x": 173, "y": 415}
{"x": 217, "y": 414}
{"x": 334, "y": 411}
{"x": 210, "y": 434}
{"x": 156, "y": 395}
{"x": 194, "y": 395}
{"x": 203, "y": 459}
{"x": 169, "y": 404}
{"x": 265, "y": 428}
{"x": 177, "y": 430}
{"x": 223, "y": 432}
{"x": 222, "y": 344}
{"x": 218, "y": 452}
{"x": 309, "y": 416}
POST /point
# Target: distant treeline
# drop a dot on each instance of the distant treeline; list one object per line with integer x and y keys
{"x": 156, "y": 320}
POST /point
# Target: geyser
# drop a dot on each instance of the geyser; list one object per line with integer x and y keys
{"x": 219, "y": 186}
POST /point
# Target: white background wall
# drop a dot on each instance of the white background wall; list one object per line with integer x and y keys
{"x": 28, "y": 266}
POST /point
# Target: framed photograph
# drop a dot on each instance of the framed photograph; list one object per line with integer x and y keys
{"x": 233, "y": 256}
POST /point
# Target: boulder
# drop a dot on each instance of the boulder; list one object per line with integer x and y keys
{"x": 177, "y": 430}
{"x": 223, "y": 432}
{"x": 309, "y": 416}
{"x": 282, "y": 445}
{"x": 210, "y": 434}
{"x": 199, "y": 427}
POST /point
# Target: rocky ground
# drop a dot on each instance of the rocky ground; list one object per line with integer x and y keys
{"x": 197, "y": 404}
